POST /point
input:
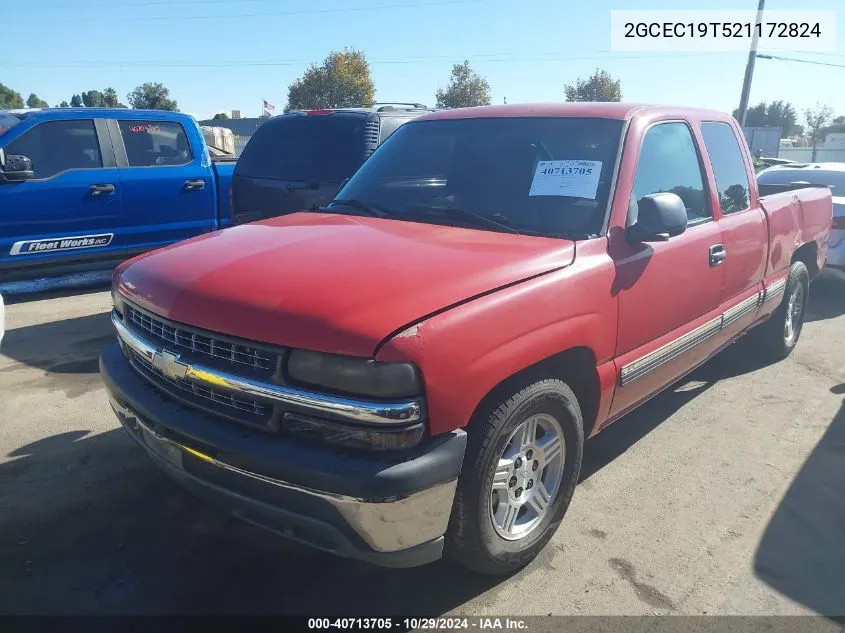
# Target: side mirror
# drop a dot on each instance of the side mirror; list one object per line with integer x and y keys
{"x": 17, "y": 167}
{"x": 659, "y": 217}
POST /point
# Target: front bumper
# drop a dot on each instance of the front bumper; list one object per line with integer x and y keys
{"x": 391, "y": 510}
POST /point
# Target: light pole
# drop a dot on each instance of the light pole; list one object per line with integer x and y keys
{"x": 749, "y": 68}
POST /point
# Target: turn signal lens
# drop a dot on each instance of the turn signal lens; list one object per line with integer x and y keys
{"x": 368, "y": 438}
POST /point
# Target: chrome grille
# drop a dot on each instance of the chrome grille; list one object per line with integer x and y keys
{"x": 174, "y": 335}
{"x": 257, "y": 412}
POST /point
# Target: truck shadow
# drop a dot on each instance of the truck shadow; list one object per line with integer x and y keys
{"x": 90, "y": 526}
{"x": 827, "y": 299}
{"x": 614, "y": 440}
{"x": 802, "y": 553}
{"x": 69, "y": 346}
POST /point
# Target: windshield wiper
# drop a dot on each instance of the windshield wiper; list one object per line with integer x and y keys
{"x": 474, "y": 218}
{"x": 355, "y": 204}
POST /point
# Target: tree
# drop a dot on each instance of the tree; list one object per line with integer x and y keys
{"x": 32, "y": 101}
{"x": 9, "y": 98}
{"x": 599, "y": 86}
{"x": 816, "y": 119}
{"x": 93, "y": 99}
{"x": 775, "y": 114}
{"x": 783, "y": 115}
{"x": 220, "y": 115}
{"x": 152, "y": 96}
{"x": 342, "y": 80}
{"x": 76, "y": 101}
{"x": 110, "y": 98}
{"x": 734, "y": 198}
{"x": 64, "y": 104}
{"x": 466, "y": 89}
{"x": 837, "y": 126}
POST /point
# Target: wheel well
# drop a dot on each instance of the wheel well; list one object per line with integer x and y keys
{"x": 575, "y": 366}
{"x": 808, "y": 253}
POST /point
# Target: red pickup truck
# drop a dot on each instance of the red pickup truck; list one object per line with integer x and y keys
{"x": 414, "y": 367}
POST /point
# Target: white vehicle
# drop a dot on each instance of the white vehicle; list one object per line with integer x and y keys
{"x": 2, "y": 319}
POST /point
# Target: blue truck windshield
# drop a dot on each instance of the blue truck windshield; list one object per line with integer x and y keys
{"x": 546, "y": 176}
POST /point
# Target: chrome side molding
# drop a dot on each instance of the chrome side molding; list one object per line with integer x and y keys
{"x": 671, "y": 350}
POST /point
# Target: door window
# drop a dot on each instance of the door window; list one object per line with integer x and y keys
{"x": 153, "y": 143}
{"x": 728, "y": 166}
{"x": 669, "y": 163}
{"x": 58, "y": 146}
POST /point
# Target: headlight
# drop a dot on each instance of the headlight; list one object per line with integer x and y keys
{"x": 117, "y": 301}
{"x": 357, "y": 376}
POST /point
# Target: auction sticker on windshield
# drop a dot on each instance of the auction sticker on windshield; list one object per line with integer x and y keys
{"x": 571, "y": 178}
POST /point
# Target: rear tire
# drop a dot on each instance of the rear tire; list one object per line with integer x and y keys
{"x": 776, "y": 338}
{"x": 520, "y": 471}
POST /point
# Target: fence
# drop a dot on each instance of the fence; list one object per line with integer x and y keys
{"x": 805, "y": 154}
{"x": 765, "y": 139}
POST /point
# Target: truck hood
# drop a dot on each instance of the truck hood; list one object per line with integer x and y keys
{"x": 327, "y": 282}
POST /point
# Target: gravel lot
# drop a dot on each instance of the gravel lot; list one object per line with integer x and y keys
{"x": 724, "y": 495}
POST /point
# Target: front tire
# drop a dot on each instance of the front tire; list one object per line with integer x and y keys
{"x": 776, "y": 338}
{"x": 520, "y": 471}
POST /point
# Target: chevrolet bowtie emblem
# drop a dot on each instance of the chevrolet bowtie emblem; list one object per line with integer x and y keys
{"x": 169, "y": 365}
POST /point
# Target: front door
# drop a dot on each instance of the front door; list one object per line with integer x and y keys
{"x": 669, "y": 292}
{"x": 72, "y": 209}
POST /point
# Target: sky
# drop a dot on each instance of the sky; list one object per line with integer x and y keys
{"x": 220, "y": 55}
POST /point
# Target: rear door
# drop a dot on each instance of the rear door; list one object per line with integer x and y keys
{"x": 744, "y": 229}
{"x": 169, "y": 193}
{"x": 72, "y": 209}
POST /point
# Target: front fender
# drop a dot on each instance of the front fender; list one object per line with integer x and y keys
{"x": 465, "y": 352}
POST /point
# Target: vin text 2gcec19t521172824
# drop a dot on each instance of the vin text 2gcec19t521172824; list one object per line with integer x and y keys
{"x": 413, "y": 368}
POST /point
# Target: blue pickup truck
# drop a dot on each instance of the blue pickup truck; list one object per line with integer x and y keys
{"x": 82, "y": 189}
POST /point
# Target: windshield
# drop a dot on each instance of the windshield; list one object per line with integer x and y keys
{"x": 8, "y": 121}
{"x": 313, "y": 148}
{"x": 548, "y": 176}
{"x": 784, "y": 176}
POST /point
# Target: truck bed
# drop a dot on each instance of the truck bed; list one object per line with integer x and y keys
{"x": 798, "y": 215}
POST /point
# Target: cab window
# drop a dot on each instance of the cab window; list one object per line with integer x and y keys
{"x": 669, "y": 162}
{"x": 728, "y": 166}
{"x": 58, "y": 146}
{"x": 154, "y": 143}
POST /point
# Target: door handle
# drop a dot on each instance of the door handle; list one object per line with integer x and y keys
{"x": 99, "y": 190}
{"x": 717, "y": 254}
{"x": 192, "y": 184}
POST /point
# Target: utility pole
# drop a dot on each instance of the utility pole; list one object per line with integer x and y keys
{"x": 749, "y": 68}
